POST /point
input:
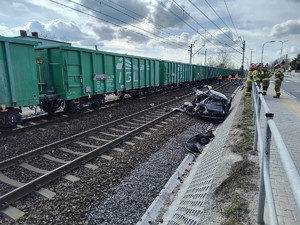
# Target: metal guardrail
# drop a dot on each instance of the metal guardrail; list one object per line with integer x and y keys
{"x": 262, "y": 142}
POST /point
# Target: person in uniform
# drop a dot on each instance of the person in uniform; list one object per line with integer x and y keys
{"x": 249, "y": 80}
{"x": 265, "y": 76}
{"x": 220, "y": 79}
{"x": 278, "y": 80}
{"x": 257, "y": 75}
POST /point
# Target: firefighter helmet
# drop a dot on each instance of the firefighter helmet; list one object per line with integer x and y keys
{"x": 252, "y": 67}
{"x": 277, "y": 66}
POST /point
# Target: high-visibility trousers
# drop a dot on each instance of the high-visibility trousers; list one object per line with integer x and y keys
{"x": 277, "y": 87}
{"x": 265, "y": 85}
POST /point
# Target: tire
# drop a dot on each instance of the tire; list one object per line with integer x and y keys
{"x": 203, "y": 140}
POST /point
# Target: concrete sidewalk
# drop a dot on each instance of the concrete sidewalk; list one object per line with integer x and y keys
{"x": 286, "y": 111}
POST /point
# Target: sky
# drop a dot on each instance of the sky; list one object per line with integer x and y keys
{"x": 164, "y": 29}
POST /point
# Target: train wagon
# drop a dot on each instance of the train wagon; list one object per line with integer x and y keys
{"x": 174, "y": 73}
{"x": 206, "y": 72}
{"x": 18, "y": 79}
{"x": 71, "y": 76}
{"x": 200, "y": 72}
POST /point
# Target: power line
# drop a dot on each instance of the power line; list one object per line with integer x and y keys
{"x": 137, "y": 19}
{"x": 210, "y": 20}
{"x": 218, "y": 15}
{"x": 124, "y": 22}
{"x": 187, "y": 23}
{"x": 167, "y": 41}
{"x": 231, "y": 18}
{"x": 200, "y": 26}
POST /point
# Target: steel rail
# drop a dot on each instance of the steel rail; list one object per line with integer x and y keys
{"x": 39, "y": 182}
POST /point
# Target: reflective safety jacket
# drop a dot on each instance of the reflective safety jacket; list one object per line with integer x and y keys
{"x": 250, "y": 76}
{"x": 265, "y": 75}
{"x": 257, "y": 74}
{"x": 278, "y": 75}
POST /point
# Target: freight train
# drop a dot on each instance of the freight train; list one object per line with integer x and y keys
{"x": 68, "y": 77}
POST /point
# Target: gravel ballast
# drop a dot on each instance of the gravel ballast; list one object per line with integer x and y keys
{"x": 121, "y": 189}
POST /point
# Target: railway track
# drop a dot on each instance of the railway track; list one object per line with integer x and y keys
{"x": 96, "y": 141}
{"x": 64, "y": 157}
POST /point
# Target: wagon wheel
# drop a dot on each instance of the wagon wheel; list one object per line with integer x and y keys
{"x": 100, "y": 101}
{"x": 73, "y": 106}
{"x": 47, "y": 107}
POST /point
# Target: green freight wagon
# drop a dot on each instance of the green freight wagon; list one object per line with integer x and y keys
{"x": 174, "y": 73}
{"x": 200, "y": 72}
{"x": 18, "y": 79}
{"x": 76, "y": 76}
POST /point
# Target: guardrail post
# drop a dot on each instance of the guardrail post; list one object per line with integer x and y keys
{"x": 257, "y": 110}
{"x": 265, "y": 165}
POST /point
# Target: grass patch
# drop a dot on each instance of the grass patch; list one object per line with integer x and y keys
{"x": 239, "y": 205}
{"x": 239, "y": 180}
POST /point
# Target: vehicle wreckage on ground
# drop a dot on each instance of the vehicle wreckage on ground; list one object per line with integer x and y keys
{"x": 208, "y": 104}
{"x": 194, "y": 144}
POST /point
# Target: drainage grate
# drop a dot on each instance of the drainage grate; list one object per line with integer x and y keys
{"x": 192, "y": 204}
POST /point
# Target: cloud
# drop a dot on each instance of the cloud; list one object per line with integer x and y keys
{"x": 224, "y": 36}
{"x": 286, "y": 28}
{"x": 5, "y": 31}
{"x": 62, "y": 31}
{"x": 104, "y": 32}
{"x": 132, "y": 37}
{"x": 134, "y": 11}
{"x": 166, "y": 18}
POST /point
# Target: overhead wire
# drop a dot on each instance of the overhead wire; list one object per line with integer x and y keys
{"x": 115, "y": 24}
{"x": 140, "y": 20}
{"x": 124, "y": 22}
{"x": 202, "y": 28}
{"x": 214, "y": 24}
{"x": 231, "y": 19}
{"x": 211, "y": 20}
{"x": 218, "y": 15}
{"x": 164, "y": 5}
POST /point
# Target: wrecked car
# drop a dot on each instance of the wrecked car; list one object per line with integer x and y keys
{"x": 208, "y": 104}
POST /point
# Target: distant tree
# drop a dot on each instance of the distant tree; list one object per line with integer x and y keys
{"x": 295, "y": 63}
{"x": 211, "y": 62}
{"x": 284, "y": 62}
{"x": 224, "y": 60}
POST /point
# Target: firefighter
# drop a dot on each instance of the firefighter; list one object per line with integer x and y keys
{"x": 278, "y": 79}
{"x": 257, "y": 75}
{"x": 236, "y": 79}
{"x": 265, "y": 75}
{"x": 250, "y": 80}
{"x": 220, "y": 79}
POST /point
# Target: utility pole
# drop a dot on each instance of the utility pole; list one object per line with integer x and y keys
{"x": 251, "y": 57}
{"x": 286, "y": 59}
{"x": 191, "y": 53}
{"x": 243, "y": 58}
{"x": 243, "y": 48}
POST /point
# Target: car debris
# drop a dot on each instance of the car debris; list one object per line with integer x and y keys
{"x": 194, "y": 144}
{"x": 208, "y": 104}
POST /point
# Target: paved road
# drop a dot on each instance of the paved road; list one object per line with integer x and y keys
{"x": 291, "y": 84}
